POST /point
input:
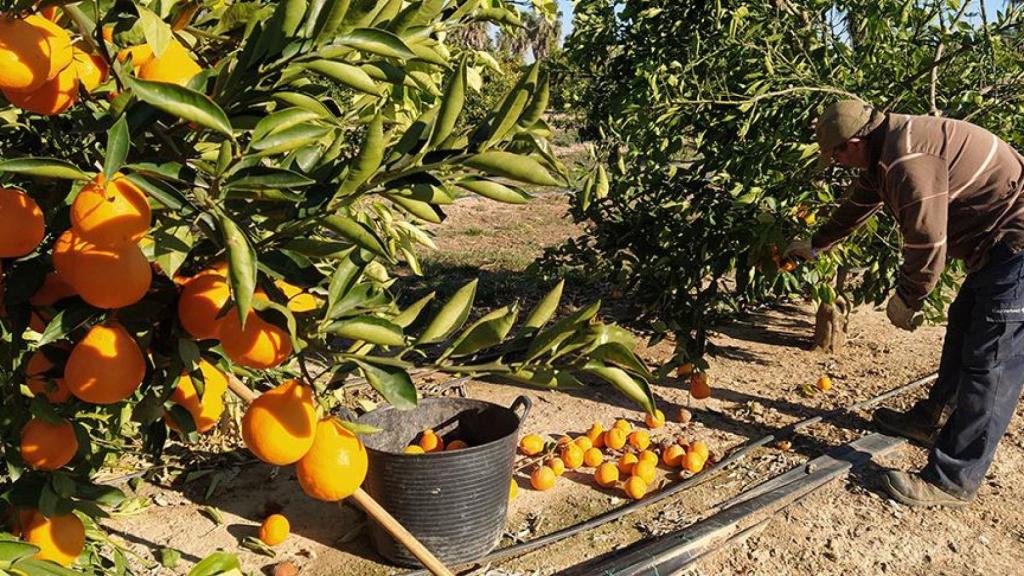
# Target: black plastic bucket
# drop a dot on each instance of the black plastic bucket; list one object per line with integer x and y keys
{"x": 455, "y": 502}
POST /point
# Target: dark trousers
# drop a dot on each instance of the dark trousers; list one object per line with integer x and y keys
{"x": 981, "y": 372}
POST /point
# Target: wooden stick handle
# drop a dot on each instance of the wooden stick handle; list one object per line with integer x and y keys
{"x": 369, "y": 505}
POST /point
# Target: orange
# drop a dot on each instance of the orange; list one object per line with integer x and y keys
{"x": 108, "y": 33}
{"x": 673, "y": 455}
{"x": 46, "y": 446}
{"x": 684, "y": 370}
{"x": 657, "y": 420}
{"x": 584, "y": 443}
{"x": 53, "y": 290}
{"x": 175, "y": 66}
{"x": 280, "y": 426}
{"x": 693, "y": 462}
{"x": 564, "y": 440}
{"x": 336, "y": 464}
{"x": 274, "y": 530}
{"x": 648, "y": 456}
{"x": 700, "y": 448}
{"x": 202, "y": 298}
{"x": 431, "y": 442}
{"x": 259, "y": 345}
{"x": 106, "y": 366}
{"x": 684, "y": 416}
{"x": 542, "y": 478}
{"x": 59, "y": 41}
{"x": 456, "y": 445}
{"x": 615, "y": 438}
{"x": 51, "y": 13}
{"x": 60, "y": 539}
{"x": 40, "y": 380}
{"x": 115, "y": 212}
{"x": 531, "y": 445}
{"x": 414, "y": 449}
{"x": 54, "y": 97}
{"x": 556, "y": 465}
{"x": 513, "y": 490}
{"x": 105, "y": 277}
{"x": 639, "y": 439}
{"x": 92, "y": 69}
{"x": 596, "y": 433}
{"x": 824, "y": 384}
{"x": 140, "y": 55}
{"x": 24, "y": 56}
{"x": 627, "y": 462}
{"x": 298, "y": 300}
{"x": 606, "y": 475}
{"x": 593, "y": 457}
{"x": 635, "y": 487}
{"x": 572, "y": 456}
{"x": 623, "y": 425}
{"x": 207, "y": 410}
{"x": 645, "y": 470}
{"x": 21, "y": 223}
{"x": 699, "y": 385}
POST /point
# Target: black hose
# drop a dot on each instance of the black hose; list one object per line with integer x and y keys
{"x": 693, "y": 481}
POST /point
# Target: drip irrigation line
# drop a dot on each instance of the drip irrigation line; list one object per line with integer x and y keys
{"x": 691, "y": 482}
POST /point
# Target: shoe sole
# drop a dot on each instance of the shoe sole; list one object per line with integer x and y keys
{"x": 906, "y": 500}
{"x": 926, "y": 442}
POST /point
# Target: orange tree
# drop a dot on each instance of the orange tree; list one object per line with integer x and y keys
{"x": 192, "y": 192}
{"x": 706, "y": 161}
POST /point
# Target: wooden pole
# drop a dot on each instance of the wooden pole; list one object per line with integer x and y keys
{"x": 369, "y": 505}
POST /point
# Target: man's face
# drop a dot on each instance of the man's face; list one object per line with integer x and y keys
{"x": 851, "y": 154}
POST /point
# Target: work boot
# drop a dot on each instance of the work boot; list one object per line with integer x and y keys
{"x": 912, "y": 490}
{"x": 920, "y": 423}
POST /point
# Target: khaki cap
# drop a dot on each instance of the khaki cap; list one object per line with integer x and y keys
{"x": 840, "y": 122}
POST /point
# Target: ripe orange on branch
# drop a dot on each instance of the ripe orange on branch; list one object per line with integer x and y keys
{"x": 106, "y": 366}
{"x": 21, "y": 223}
{"x": 108, "y": 213}
{"x": 279, "y": 426}
{"x": 335, "y": 465}
{"x": 60, "y": 539}
{"x": 260, "y": 345}
{"x": 46, "y": 446}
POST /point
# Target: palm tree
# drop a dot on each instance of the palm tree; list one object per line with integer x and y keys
{"x": 475, "y": 35}
{"x": 544, "y": 36}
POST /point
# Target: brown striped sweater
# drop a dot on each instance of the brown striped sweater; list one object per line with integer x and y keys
{"x": 953, "y": 187}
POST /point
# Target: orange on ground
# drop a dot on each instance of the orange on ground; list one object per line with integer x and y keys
{"x": 572, "y": 456}
{"x": 824, "y": 384}
{"x": 40, "y": 379}
{"x": 114, "y": 212}
{"x": 46, "y": 446}
{"x": 596, "y": 433}
{"x": 531, "y": 445}
{"x": 639, "y": 439}
{"x": 700, "y": 447}
{"x": 279, "y": 427}
{"x": 92, "y": 69}
{"x": 431, "y": 442}
{"x": 635, "y": 487}
{"x": 58, "y": 40}
{"x": 414, "y": 449}
{"x": 202, "y": 298}
{"x": 649, "y": 456}
{"x": 684, "y": 416}
{"x": 645, "y": 470}
{"x": 615, "y": 438}
{"x": 583, "y": 442}
{"x": 693, "y": 462}
{"x": 700, "y": 387}
{"x": 563, "y": 440}
{"x": 627, "y": 462}
{"x": 106, "y": 366}
{"x": 335, "y": 467}
{"x": 60, "y": 539}
{"x": 24, "y": 56}
{"x": 54, "y": 97}
{"x": 456, "y": 445}
{"x": 274, "y": 530}
{"x": 684, "y": 370}
{"x": 260, "y": 345}
{"x": 556, "y": 465}
{"x": 593, "y": 457}
{"x": 542, "y": 478}
{"x": 655, "y": 421}
{"x": 623, "y": 425}
{"x": 606, "y": 475}
{"x": 513, "y": 490}
{"x": 673, "y": 455}
{"x": 298, "y": 299}
{"x": 21, "y": 223}
{"x": 105, "y": 277}
{"x": 207, "y": 410}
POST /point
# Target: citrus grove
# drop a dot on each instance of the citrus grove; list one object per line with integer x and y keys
{"x": 204, "y": 196}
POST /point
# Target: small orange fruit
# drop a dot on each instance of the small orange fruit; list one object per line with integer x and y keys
{"x": 627, "y": 462}
{"x": 824, "y": 383}
{"x": 556, "y": 465}
{"x": 649, "y": 456}
{"x": 584, "y": 443}
{"x": 672, "y": 455}
{"x": 657, "y": 420}
{"x": 572, "y": 456}
{"x": 414, "y": 449}
{"x": 106, "y": 366}
{"x": 701, "y": 448}
{"x": 639, "y": 439}
{"x": 260, "y": 345}
{"x": 60, "y": 539}
{"x": 531, "y": 445}
{"x": 684, "y": 370}
{"x": 606, "y": 475}
{"x": 615, "y": 438}
{"x": 40, "y": 379}
{"x": 456, "y": 445}
{"x": 635, "y": 487}
{"x": 593, "y": 457}
{"x": 513, "y": 490}
{"x": 202, "y": 298}
{"x": 274, "y": 530}
{"x": 335, "y": 466}
{"x": 46, "y": 446}
{"x": 114, "y": 212}
{"x": 623, "y": 425}
{"x": 684, "y": 416}
{"x": 24, "y": 56}
{"x": 542, "y": 478}
{"x": 21, "y": 223}
{"x": 645, "y": 470}
{"x": 700, "y": 387}
{"x": 693, "y": 462}
{"x": 279, "y": 426}
{"x": 431, "y": 442}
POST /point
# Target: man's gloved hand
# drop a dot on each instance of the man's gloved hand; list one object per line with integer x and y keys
{"x": 800, "y": 250}
{"x": 903, "y": 316}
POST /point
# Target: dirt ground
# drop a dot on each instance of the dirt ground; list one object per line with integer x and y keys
{"x": 762, "y": 361}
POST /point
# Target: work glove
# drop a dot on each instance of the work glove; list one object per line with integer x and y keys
{"x": 903, "y": 316}
{"x": 800, "y": 250}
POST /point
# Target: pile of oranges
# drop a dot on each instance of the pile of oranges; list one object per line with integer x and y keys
{"x": 428, "y": 442}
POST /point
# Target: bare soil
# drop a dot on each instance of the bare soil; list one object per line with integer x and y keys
{"x": 762, "y": 362}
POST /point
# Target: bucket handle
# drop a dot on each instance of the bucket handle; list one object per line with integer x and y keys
{"x": 521, "y": 402}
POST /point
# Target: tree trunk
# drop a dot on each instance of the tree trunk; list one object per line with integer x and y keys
{"x": 831, "y": 320}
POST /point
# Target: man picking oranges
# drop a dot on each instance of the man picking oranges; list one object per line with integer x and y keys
{"x": 955, "y": 191}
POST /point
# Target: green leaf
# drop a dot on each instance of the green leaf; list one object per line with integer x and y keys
{"x": 241, "y": 266}
{"x": 544, "y": 309}
{"x": 213, "y": 513}
{"x": 451, "y": 317}
{"x": 266, "y": 178}
{"x": 294, "y": 10}
{"x": 66, "y": 321}
{"x": 356, "y": 232}
{"x": 494, "y": 191}
{"x": 512, "y": 106}
{"x": 538, "y": 104}
{"x": 485, "y": 332}
{"x": 421, "y": 210}
{"x": 358, "y": 428}
{"x": 305, "y": 102}
{"x": 369, "y": 329}
{"x": 369, "y": 159}
{"x": 617, "y": 353}
{"x": 547, "y": 378}
{"x": 45, "y": 167}
{"x": 376, "y": 41}
{"x": 406, "y": 317}
{"x": 352, "y": 76}
{"x": 451, "y": 106}
{"x": 350, "y": 267}
{"x": 512, "y": 166}
{"x": 290, "y": 139}
{"x": 393, "y": 383}
{"x": 328, "y": 21}
{"x": 12, "y": 551}
{"x": 549, "y": 339}
{"x": 282, "y": 120}
{"x": 34, "y": 567}
{"x": 118, "y": 144}
{"x": 183, "y": 103}
{"x": 216, "y": 564}
{"x": 157, "y": 32}
{"x": 635, "y": 390}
